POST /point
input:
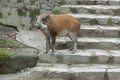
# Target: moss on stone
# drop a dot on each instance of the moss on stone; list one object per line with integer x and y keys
{"x": 91, "y": 11}
{"x": 43, "y": 61}
{"x": 62, "y": 46}
{"x": 0, "y": 15}
{"x": 71, "y": 76}
{"x": 109, "y": 21}
{"x": 33, "y": 13}
{"x": 19, "y": 1}
{"x": 73, "y": 10}
{"x": 9, "y": 13}
{"x": 6, "y": 55}
{"x": 61, "y": 2}
{"x": 33, "y": 1}
{"x": 117, "y": 12}
{"x": 12, "y": 42}
{"x": 30, "y": 28}
{"x": 111, "y": 60}
{"x": 78, "y": 2}
{"x": 93, "y": 21}
{"x": 22, "y": 25}
{"x": 118, "y": 23}
{"x": 8, "y": 43}
{"x": 93, "y": 59}
{"x": 21, "y": 12}
{"x": 59, "y": 58}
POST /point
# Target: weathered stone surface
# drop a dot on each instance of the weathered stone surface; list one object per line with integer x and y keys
{"x": 92, "y": 9}
{"x": 99, "y": 31}
{"x": 64, "y": 72}
{"x": 8, "y": 37}
{"x": 93, "y": 2}
{"x": 90, "y": 43}
{"x": 94, "y": 19}
{"x": 13, "y": 60}
{"x": 113, "y": 74}
{"x": 89, "y": 56}
{"x": 14, "y": 55}
{"x": 32, "y": 38}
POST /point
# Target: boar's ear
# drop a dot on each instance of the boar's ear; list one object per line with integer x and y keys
{"x": 47, "y": 17}
{"x": 36, "y": 16}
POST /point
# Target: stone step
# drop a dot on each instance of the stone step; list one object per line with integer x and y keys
{"x": 90, "y": 43}
{"x": 99, "y": 31}
{"x": 65, "y": 72}
{"x": 92, "y": 9}
{"x": 88, "y": 56}
{"x": 92, "y": 2}
{"x": 95, "y": 19}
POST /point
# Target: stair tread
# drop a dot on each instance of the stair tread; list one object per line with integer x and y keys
{"x": 90, "y": 52}
{"x": 77, "y": 68}
{"x": 65, "y": 72}
{"x": 93, "y": 16}
{"x": 93, "y": 6}
{"x": 90, "y": 39}
{"x": 84, "y": 56}
{"x": 97, "y": 0}
{"x": 99, "y": 27}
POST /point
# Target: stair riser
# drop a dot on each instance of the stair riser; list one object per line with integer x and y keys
{"x": 93, "y": 2}
{"x": 79, "y": 59}
{"x": 99, "y": 21}
{"x": 64, "y": 72}
{"x": 89, "y": 45}
{"x": 74, "y": 73}
{"x": 51, "y": 75}
{"x": 99, "y": 33}
{"x": 91, "y": 10}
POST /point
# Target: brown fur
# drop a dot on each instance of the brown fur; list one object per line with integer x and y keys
{"x": 62, "y": 22}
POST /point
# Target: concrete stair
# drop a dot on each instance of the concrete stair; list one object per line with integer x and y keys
{"x": 97, "y": 57}
{"x": 88, "y": 56}
{"x": 65, "y": 72}
{"x": 92, "y": 9}
{"x": 100, "y": 31}
{"x": 90, "y": 43}
{"x": 96, "y": 19}
{"x": 92, "y": 2}
{"x": 77, "y": 72}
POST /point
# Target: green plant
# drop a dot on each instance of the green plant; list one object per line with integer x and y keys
{"x": 56, "y": 10}
{"x": 6, "y": 55}
{"x": 8, "y": 43}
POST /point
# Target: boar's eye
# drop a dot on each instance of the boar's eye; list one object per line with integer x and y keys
{"x": 44, "y": 20}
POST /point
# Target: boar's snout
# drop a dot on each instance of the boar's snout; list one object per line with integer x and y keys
{"x": 37, "y": 26}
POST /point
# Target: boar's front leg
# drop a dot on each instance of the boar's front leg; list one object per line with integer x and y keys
{"x": 73, "y": 37}
{"x": 47, "y": 45}
{"x": 53, "y": 44}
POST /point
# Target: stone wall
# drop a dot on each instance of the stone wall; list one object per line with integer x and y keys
{"x": 21, "y": 13}
{"x": 18, "y": 16}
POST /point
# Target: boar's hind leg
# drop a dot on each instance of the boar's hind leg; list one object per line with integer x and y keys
{"x": 74, "y": 42}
